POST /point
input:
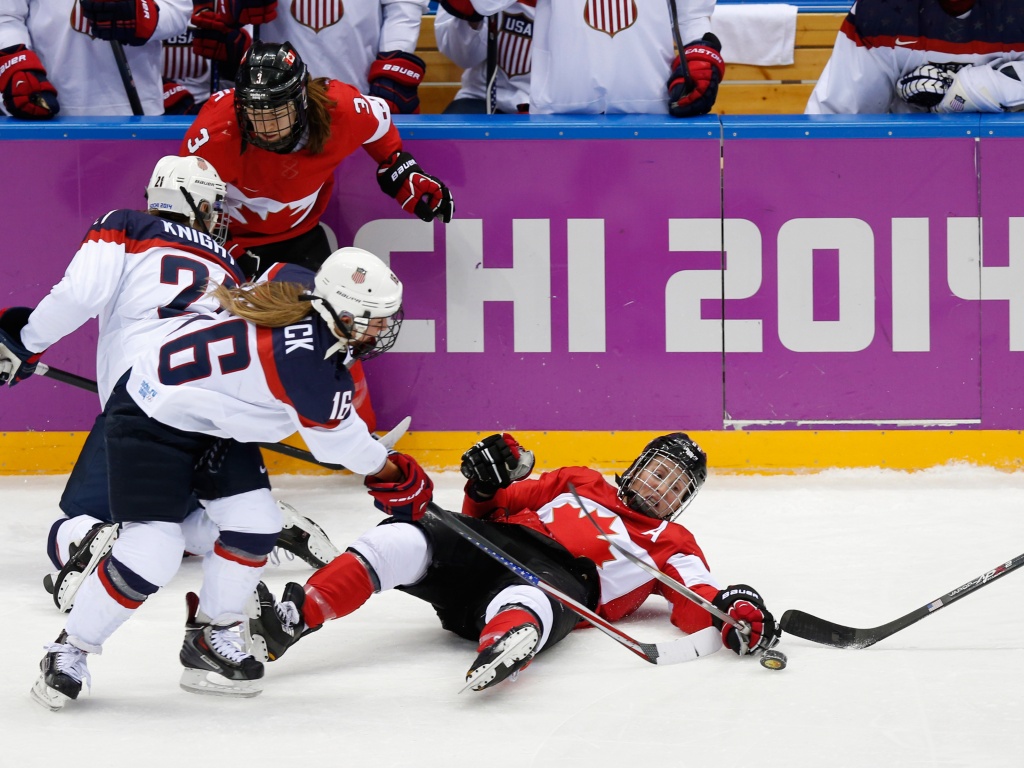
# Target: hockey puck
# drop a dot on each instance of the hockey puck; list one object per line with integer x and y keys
{"x": 773, "y": 659}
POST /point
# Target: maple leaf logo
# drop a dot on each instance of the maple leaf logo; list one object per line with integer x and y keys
{"x": 571, "y": 528}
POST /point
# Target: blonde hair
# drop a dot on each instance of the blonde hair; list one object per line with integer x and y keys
{"x": 318, "y": 109}
{"x": 270, "y": 304}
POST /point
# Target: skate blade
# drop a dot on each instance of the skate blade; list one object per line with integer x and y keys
{"x": 481, "y": 677}
{"x": 211, "y": 684}
{"x": 100, "y": 546}
{"x": 45, "y": 696}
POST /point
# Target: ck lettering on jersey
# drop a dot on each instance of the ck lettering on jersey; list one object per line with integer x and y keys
{"x": 298, "y": 337}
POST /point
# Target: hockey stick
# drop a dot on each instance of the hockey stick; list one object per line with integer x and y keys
{"x": 89, "y": 385}
{"x": 828, "y": 633}
{"x": 492, "y": 63}
{"x": 126, "y": 77}
{"x": 673, "y": 15}
{"x": 770, "y": 658}
{"x": 673, "y": 652}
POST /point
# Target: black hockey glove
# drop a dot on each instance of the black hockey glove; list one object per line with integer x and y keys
{"x": 695, "y": 92}
{"x": 927, "y": 85}
{"x": 395, "y": 77}
{"x": 744, "y": 604}
{"x": 495, "y": 462}
{"x": 131, "y": 22}
{"x": 16, "y": 362}
{"x": 426, "y": 196}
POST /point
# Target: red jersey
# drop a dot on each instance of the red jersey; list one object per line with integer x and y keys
{"x": 547, "y": 505}
{"x": 273, "y": 197}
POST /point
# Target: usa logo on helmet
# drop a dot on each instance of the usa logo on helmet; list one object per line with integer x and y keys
{"x": 359, "y": 276}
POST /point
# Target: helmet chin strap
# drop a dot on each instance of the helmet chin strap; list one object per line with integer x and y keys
{"x": 343, "y": 343}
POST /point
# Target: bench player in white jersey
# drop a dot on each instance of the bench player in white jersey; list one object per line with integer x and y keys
{"x": 369, "y": 44}
{"x": 496, "y": 76}
{"x": 945, "y": 56}
{"x": 55, "y": 55}
{"x": 616, "y": 56}
{"x": 179, "y": 421}
{"x": 538, "y": 522}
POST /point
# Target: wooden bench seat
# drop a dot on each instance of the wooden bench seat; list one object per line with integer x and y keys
{"x": 746, "y": 89}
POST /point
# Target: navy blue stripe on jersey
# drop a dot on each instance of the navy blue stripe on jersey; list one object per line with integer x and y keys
{"x": 139, "y": 231}
{"x": 991, "y": 26}
{"x": 293, "y": 362}
{"x": 282, "y": 272}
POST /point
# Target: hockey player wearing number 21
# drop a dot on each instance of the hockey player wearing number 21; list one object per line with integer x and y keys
{"x": 186, "y": 416}
{"x": 540, "y": 523}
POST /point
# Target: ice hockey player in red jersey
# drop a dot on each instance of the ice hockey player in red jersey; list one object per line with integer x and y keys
{"x": 510, "y": 620}
{"x": 187, "y": 417}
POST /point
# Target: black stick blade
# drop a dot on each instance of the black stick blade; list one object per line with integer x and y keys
{"x": 823, "y": 631}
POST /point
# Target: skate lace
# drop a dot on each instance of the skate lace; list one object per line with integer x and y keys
{"x": 71, "y": 661}
{"x": 228, "y": 643}
{"x": 276, "y": 555}
{"x": 287, "y": 614}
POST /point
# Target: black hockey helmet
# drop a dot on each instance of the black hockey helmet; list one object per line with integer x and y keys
{"x": 663, "y": 480}
{"x": 271, "y": 76}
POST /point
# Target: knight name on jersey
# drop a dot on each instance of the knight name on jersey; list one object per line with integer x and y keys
{"x": 182, "y": 232}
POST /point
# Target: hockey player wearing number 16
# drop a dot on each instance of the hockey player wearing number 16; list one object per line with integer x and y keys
{"x": 187, "y": 416}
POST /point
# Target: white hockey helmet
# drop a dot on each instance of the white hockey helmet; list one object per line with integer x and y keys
{"x": 360, "y": 299}
{"x": 190, "y": 186}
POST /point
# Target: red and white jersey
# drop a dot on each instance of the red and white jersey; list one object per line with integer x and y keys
{"x": 881, "y": 41}
{"x": 547, "y": 505}
{"x": 467, "y": 47}
{"x": 341, "y": 40}
{"x": 134, "y": 271}
{"x": 274, "y": 197}
{"x": 220, "y": 375}
{"x": 185, "y": 67}
{"x": 605, "y": 56}
{"x": 82, "y": 68}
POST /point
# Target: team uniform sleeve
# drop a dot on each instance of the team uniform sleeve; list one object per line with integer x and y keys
{"x": 400, "y": 28}
{"x": 90, "y": 283}
{"x": 692, "y": 571}
{"x": 173, "y": 18}
{"x": 992, "y": 87}
{"x": 532, "y": 493}
{"x": 13, "y": 30}
{"x": 856, "y": 79}
{"x": 457, "y": 40}
{"x": 695, "y": 19}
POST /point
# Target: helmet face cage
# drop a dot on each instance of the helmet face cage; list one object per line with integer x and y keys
{"x": 271, "y": 95}
{"x": 191, "y": 187}
{"x": 665, "y": 478}
{"x": 360, "y": 299}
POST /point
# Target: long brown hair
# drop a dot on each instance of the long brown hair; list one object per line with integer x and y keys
{"x": 270, "y": 304}
{"x": 319, "y": 109}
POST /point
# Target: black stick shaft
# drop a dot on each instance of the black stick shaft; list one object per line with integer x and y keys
{"x": 126, "y": 77}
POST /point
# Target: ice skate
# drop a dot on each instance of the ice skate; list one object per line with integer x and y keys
{"x": 83, "y": 559}
{"x": 502, "y": 656}
{"x": 214, "y": 657}
{"x": 302, "y": 538}
{"x": 63, "y": 669}
{"x": 278, "y": 625}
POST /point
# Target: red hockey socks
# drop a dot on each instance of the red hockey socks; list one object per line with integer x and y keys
{"x": 336, "y": 590}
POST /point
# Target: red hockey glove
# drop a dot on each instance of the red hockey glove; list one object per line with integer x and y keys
{"x": 131, "y": 22}
{"x": 692, "y": 95}
{"x": 406, "y": 499}
{"x": 461, "y": 9}
{"x": 16, "y": 362}
{"x": 27, "y": 94}
{"x": 743, "y": 603}
{"x": 178, "y": 100}
{"x": 254, "y": 11}
{"x": 394, "y": 77}
{"x": 401, "y": 177}
{"x": 495, "y": 462}
{"x": 217, "y": 36}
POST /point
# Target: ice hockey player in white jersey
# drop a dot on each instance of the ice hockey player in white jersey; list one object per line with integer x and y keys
{"x": 616, "y": 56}
{"x": 55, "y": 55}
{"x": 944, "y": 56}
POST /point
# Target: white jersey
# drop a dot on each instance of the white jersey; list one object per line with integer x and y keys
{"x": 217, "y": 374}
{"x": 605, "y": 56}
{"x": 879, "y": 43}
{"x": 133, "y": 271}
{"x": 82, "y": 68}
{"x": 341, "y": 40}
{"x": 467, "y": 47}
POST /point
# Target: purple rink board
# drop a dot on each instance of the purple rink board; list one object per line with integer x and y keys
{"x": 580, "y": 286}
